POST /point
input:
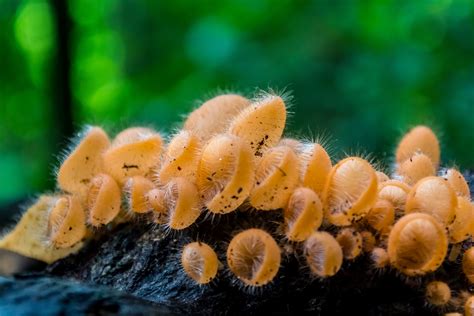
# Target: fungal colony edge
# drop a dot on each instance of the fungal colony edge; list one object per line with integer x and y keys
{"x": 230, "y": 156}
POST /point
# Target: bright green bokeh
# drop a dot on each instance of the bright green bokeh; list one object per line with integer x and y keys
{"x": 360, "y": 72}
{"x": 34, "y": 29}
{"x": 27, "y": 37}
{"x": 34, "y": 33}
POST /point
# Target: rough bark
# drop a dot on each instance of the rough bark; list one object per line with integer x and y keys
{"x": 40, "y": 295}
{"x": 143, "y": 260}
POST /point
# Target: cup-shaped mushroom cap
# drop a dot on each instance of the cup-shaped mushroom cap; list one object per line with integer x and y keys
{"x": 84, "y": 162}
{"x": 438, "y": 293}
{"x": 276, "y": 177}
{"x": 463, "y": 225}
{"x": 214, "y": 116}
{"x": 395, "y": 192}
{"x": 254, "y": 257}
{"x": 379, "y": 257}
{"x": 417, "y": 244}
{"x": 350, "y": 241}
{"x": 381, "y": 216}
{"x": 368, "y": 241}
{"x": 458, "y": 183}
{"x": 181, "y": 158}
{"x": 135, "y": 190}
{"x": 469, "y": 307}
{"x": 416, "y": 168}
{"x": 468, "y": 264}
{"x": 132, "y": 134}
{"x": 315, "y": 163}
{"x": 303, "y": 215}
{"x": 30, "y": 233}
{"x": 419, "y": 139}
{"x": 200, "y": 262}
{"x": 323, "y": 254}
{"x": 382, "y": 177}
{"x": 67, "y": 222}
{"x": 434, "y": 196}
{"x": 182, "y": 203}
{"x": 157, "y": 203}
{"x": 134, "y": 152}
{"x": 350, "y": 192}
{"x": 225, "y": 173}
{"x": 103, "y": 200}
{"x": 316, "y": 166}
{"x": 261, "y": 124}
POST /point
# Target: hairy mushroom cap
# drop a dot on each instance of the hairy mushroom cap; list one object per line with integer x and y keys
{"x": 182, "y": 203}
{"x": 316, "y": 166}
{"x": 458, "y": 183}
{"x": 381, "y": 216}
{"x": 350, "y": 192}
{"x": 103, "y": 200}
{"x": 66, "y": 222}
{"x": 181, "y": 158}
{"x": 468, "y": 264}
{"x": 155, "y": 199}
{"x": 438, "y": 293}
{"x": 303, "y": 215}
{"x": 469, "y": 307}
{"x": 134, "y": 152}
{"x": 276, "y": 177}
{"x": 463, "y": 225}
{"x": 382, "y": 177}
{"x": 200, "y": 262}
{"x": 396, "y": 193}
{"x": 254, "y": 257}
{"x": 434, "y": 196}
{"x": 416, "y": 168}
{"x": 323, "y": 254}
{"x": 135, "y": 190}
{"x": 84, "y": 162}
{"x": 419, "y": 139}
{"x": 350, "y": 241}
{"x": 368, "y": 241}
{"x": 185, "y": 205}
{"x": 261, "y": 124}
{"x": 379, "y": 257}
{"x": 225, "y": 173}
{"x": 417, "y": 244}
{"x": 214, "y": 116}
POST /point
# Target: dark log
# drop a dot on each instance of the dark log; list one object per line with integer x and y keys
{"x": 143, "y": 260}
{"x": 40, "y": 295}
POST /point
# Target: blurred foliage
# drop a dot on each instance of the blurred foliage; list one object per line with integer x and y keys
{"x": 361, "y": 72}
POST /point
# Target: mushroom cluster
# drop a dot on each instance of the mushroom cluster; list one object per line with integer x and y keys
{"x": 230, "y": 156}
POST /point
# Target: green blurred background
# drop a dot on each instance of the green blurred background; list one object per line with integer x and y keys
{"x": 361, "y": 72}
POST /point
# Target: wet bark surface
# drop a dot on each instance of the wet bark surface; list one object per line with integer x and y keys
{"x": 138, "y": 264}
{"x": 41, "y": 295}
